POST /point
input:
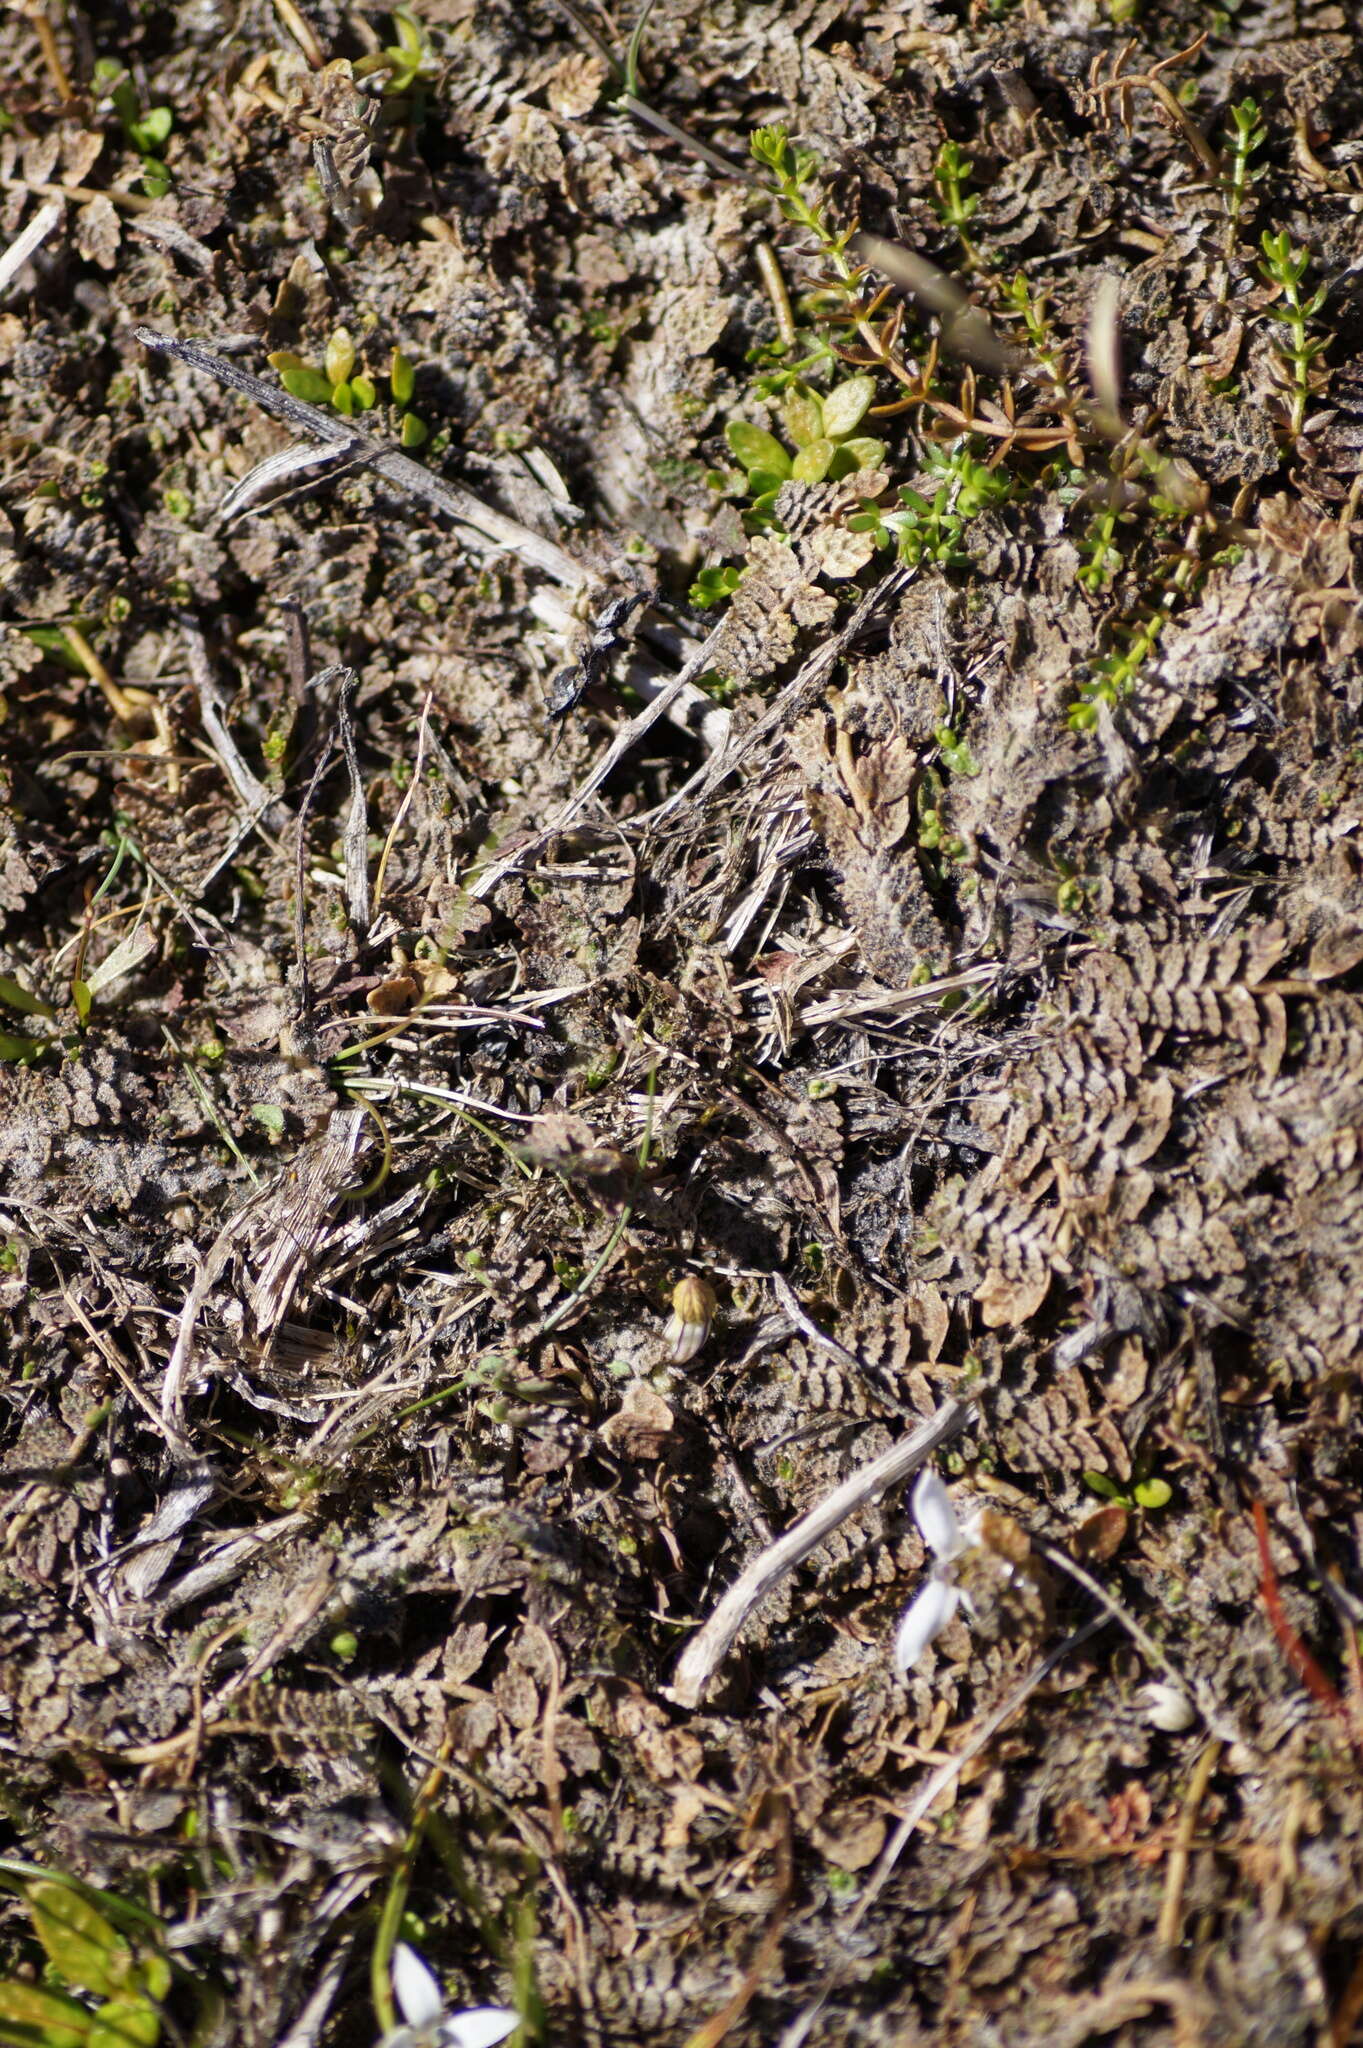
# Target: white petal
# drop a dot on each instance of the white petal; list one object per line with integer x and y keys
{"x": 927, "y": 1617}
{"x": 479, "y": 2028}
{"x": 1167, "y": 1706}
{"x": 936, "y": 1517}
{"x": 415, "y": 1988}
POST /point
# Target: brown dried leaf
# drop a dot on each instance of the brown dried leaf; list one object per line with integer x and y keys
{"x": 98, "y": 232}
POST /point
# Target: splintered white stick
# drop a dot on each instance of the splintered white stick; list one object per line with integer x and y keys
{"x": 706, "y": 1651}
{"x": 28, "y": 239}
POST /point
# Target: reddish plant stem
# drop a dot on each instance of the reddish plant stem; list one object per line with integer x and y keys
{"x": 1291, "y": 1644}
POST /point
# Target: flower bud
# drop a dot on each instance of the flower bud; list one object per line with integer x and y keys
{"x": 1167, "y": 1706}
{"x": 693, "y": 1311}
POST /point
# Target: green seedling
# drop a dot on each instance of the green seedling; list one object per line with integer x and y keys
{"x": 954, "y": 754}
{"x": 933, "y": 529}
{"x": 714, "y": 585}
{"x": 1145, "y": 1493}
{"x": 1285, "y": 267}
{"x": 955, "y": 208}
{"x": 1114, "y": 675}
{"x": 336, "y": 383}
{"x": 408, "y": 60}
{"x": 840, "y": 296}
{"x": 1031, "y": 310}
{"x": 148, "y": 132}
{"x": 1238, "y": 174}
{"x": 823, "y": 443}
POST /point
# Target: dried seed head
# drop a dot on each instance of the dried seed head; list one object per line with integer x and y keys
{"x": 693, "y": 1311}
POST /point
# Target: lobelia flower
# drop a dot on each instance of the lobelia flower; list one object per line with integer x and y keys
{"x": 429, "y": 2025}
{"x": 1167, "y": 1706}
{"x": 947, "y": 1539}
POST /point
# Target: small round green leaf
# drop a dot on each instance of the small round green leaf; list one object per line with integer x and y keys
{"x": 401, "y": 378}
{"x": 755, "y": 448}
{"x": 366, "y": 397}
{"x": 811, "y": 464}
{"x": 343, "y": 398}
{"x": 802, "y": 415}
{"x": 414, "y": 431}
{"x": 1153, "y": 1493}
{"x": 865, "y": 451}
{"x": 846, "y": 405}
{"x": 309, "y": 385}
{"x": 154, "y": 128}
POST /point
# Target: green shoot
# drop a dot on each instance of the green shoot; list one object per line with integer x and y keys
{"x": 147, "y": 132}
{"x": 632, "y": 48}
{"x": 933, "y": 529}
{"x": 1285, "y": 267}
{"x": 1237, "y": 176}
{"x": 408, "y": 59}
{"x": 1018, "y": 297}
{"x": 338, "y": 384}
{"x": 794, "y": 173}
{"x": 954, "y": 208}
{"x": 714, "y": 585}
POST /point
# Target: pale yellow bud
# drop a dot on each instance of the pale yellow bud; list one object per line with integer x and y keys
{"x": 693, "y": 1311}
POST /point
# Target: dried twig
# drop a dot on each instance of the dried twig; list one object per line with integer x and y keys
{"x": 1171, "y": 1907}
{"x": 28, "y": 240}
{"x": 480, "y": 526}
{"x": 707, "y": 1650}
{"x": 949, "y": 1771}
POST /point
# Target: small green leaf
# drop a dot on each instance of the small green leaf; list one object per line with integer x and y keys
{"x": 18, "y": 998}
{"x": 755, "y": 448}
{"x": 846, "y": 405}
{"x": 802, "y": 415}
{"x": 82, "y": 996}
{"x": 339, "y": 359}
{"x": 20, "y": 1052}
{"x": 33, "y": 2018}
{"x": 1152, "y": 1493}
{"x": 409, "y": 34}
{"x": 1099, "y": 1483}
{"x": 309, "y": 385}
{"x": 81, "y": 1945}
{"x": 125, "y": 2023}
{"x": 282, "y": 359}
{"x": 366, "y": 397}
{"x": 401, "y": 378}
{"x": 270, "y": 1117}
{"x": 865, "y": 451}
{"x": 712, "y": 586}
{"x": 811, "y": 464}
{"x": 414, "y": 431}
{"x": 153, "y": 130}
{"x": 343, "y": 398}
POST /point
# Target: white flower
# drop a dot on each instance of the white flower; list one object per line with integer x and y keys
{"x": 428, "y": 2023}
{"x": 1167, "y": 1706}
{"x": 947, "y": 1539}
